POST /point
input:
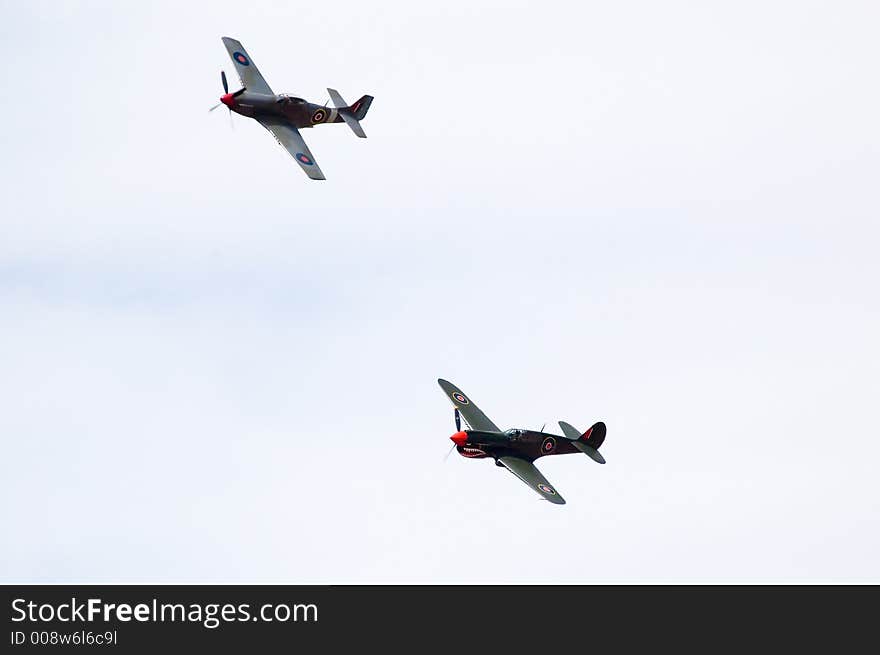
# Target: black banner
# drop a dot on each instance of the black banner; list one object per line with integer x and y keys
{"x": 224, "y": 618}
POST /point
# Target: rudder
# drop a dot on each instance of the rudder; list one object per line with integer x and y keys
{"x": 595, "y": 435}
{"x": 360, "y": 107}
{"x": 592, "y": 437}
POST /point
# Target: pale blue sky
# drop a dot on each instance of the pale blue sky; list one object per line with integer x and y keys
{"x": 216, "y": 370}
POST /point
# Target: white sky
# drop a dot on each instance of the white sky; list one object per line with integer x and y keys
{"x": 659, "y": 215}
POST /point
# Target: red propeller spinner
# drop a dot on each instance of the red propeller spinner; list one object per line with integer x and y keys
{"x": 459, "y": 438}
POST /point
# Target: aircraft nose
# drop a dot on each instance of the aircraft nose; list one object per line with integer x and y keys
{"x": 227, "y": 100}
{"x": 459, "y": 438}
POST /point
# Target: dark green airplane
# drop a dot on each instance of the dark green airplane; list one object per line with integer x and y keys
{"x": 516, "y": 449}
{"x": 283, "y": 115}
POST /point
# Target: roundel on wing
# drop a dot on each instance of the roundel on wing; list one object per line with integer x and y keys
{"x": 303, "y": 158}
{"x": 547, "y": 489}
{"x": 241, "y": 58}
{"x": 459, "y": 397}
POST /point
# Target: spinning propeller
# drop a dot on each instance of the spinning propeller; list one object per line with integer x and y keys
{"x": 457, "y": 429}
{"x": 227, "y": 98}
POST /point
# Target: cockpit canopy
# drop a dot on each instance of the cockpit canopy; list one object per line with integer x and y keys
{"x": 514, "y": 433}
{"x": 284, "y": 98}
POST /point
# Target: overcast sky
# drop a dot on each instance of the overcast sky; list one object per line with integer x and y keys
{"x": 659, "y": 215}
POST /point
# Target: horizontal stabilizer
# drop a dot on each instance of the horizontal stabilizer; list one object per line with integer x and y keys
{"x": 595, "y": 436}
{"x": 352, "y": 122}
{"x": 346, "y": 114}
{"x": 570, "y": 431}
{"x": 589, "y": 451}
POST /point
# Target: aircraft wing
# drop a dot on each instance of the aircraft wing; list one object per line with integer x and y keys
{"x": 250, "y": 76}
{"x": 472, "y": 414}
{"x": 528, "y": 473}
{"x": 290, "y": 138}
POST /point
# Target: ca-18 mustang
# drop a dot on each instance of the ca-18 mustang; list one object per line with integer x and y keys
{"x": 516, "y": 449}
{"x": 284, "y": 115}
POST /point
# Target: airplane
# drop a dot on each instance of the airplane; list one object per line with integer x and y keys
{"x": 516, "y": 449}
{"x": 285, "y": 115}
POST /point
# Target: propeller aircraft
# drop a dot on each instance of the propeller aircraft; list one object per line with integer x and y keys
{"x": 285, "y": 115}
{"x": 516, "y": 449}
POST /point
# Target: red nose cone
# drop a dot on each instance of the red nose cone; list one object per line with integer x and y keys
{"x": 227, "y": 100}
{"x": 459, "y": 438}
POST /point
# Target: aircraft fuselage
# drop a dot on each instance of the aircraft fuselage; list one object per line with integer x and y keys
{"x": 298, "y": 112}
{"x": 525, "y": 444}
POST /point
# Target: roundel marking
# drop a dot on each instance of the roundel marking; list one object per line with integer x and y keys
{"x": 240, "y": 58}
{"x": 548, "y": 445}
{"x": 318, "y": 116}
{"x": 460, "y": 397}
{"x": 547, "y": 489}
{"x": 304, "y": 159}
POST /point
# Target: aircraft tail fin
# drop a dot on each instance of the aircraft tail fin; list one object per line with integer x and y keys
{"x": 588, "y": 442}
{"x": 595, "y": 435}
{"x": 353, "y": 113}
{"x": 360, "y": 107}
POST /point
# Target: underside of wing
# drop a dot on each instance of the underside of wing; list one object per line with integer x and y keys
{"x": 290, "y": 138}
{"x": 250, "y": 76}
{"x": 528, "y": 473}
{"x": 471, "y": 413}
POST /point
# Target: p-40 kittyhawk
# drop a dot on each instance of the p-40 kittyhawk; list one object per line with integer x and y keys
{"x": 516, "y": 449}
{"x": 283, "y": 115}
